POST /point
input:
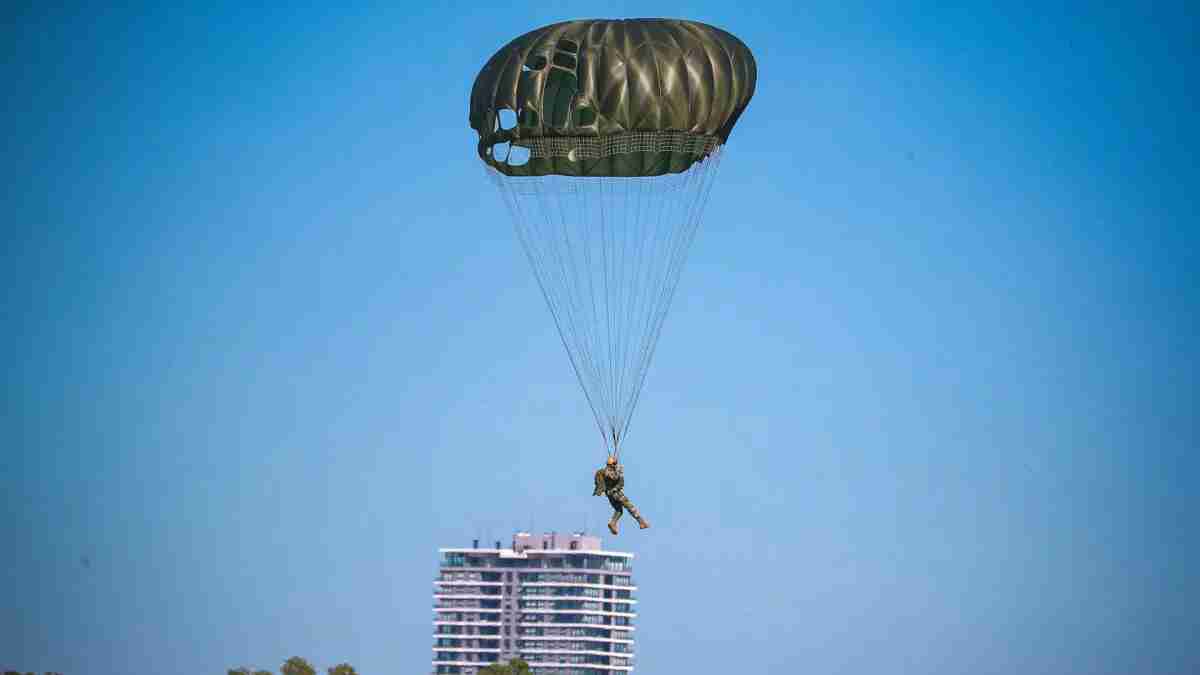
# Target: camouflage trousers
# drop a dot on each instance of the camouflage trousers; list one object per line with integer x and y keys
{"x": 618, "y": 500}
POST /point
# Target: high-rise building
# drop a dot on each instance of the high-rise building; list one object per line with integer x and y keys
{"x": 556, "y": 601}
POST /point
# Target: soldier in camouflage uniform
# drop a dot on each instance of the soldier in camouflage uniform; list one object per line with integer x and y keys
{"x": 610, "y": 482}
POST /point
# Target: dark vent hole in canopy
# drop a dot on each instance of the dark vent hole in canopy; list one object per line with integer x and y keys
{"x": 527, "y": 117}
{"x": 564, "y": 61}
{"x": 568, "y": 45}
{"x": 534, "y": 62}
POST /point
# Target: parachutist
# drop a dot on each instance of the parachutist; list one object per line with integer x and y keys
{"x": 610, "y": 482}
{"x": 572, "y": 159}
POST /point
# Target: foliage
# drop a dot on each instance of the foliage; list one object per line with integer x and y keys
{"x": 297, "y": 666}
{"x": 294, "y": 666}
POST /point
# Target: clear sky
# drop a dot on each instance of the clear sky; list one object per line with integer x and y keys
{"x": 926, "y": 401}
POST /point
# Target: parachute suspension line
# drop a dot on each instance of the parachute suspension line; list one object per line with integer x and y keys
{"x": 641, "y": 276}
{"x": 611, "y": 300}
{"x": 584, "y": 335}
{"x": 568, "y": 266}
{"x": 613, "y": 318}
{"x": 690, "y": 213}
{"x": 641, "y": 308}
{"x": 633, "y": 272}
{"x": 585, "y": 208}
{"x": 645, "y": 306}
{"x": 636, "y": 283}
{"x": 604, "y": 215}
{"x": 607, "y": 253}
{"x": 591, "y": 337}
{"x": 631, "y": 288}
{"x": 608, "y": 319}
{"x": 526, "y": 228}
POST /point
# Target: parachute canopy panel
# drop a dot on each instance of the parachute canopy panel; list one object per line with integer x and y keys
{"x": 620, "y": 98}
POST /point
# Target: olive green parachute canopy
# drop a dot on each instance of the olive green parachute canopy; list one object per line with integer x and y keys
{"x": 622, "y": 98}
{"x": 604, "y": 139}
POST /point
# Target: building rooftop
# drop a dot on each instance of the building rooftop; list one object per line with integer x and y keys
{"x": 524, "y": 543}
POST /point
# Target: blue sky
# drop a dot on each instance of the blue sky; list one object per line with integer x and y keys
{"x": 925, "y": 401}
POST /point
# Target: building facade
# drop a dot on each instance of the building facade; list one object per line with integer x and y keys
{"x": 556, "y": 601}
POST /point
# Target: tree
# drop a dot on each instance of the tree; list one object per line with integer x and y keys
{"x": 514, "y": 667}
{"x": 246, "y": 671}
{"x": 342, "y": 669}
{"x": 297, "y": 666}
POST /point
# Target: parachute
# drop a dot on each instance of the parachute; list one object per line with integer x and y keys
{"x": 604, "y": 138}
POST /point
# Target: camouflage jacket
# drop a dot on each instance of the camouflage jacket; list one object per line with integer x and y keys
{"x": 609, "y": 479}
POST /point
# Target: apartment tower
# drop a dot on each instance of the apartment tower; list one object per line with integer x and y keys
{"x": 556, "y": 601}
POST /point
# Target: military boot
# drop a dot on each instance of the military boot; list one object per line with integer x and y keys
{"x": 612, "y": 526}
{"x": 638, "y": 517}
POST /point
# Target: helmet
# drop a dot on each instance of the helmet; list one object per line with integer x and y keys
{"x": 612, "y": 460}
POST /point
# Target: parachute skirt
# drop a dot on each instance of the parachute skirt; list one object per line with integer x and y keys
{"x": 640, "y": 153}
